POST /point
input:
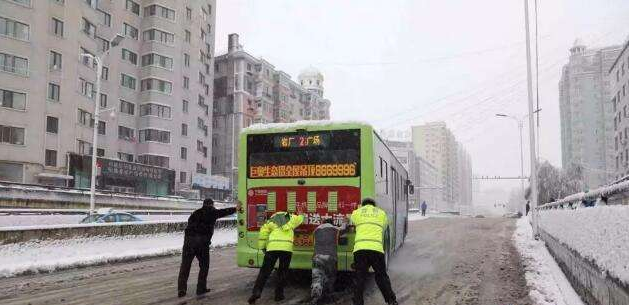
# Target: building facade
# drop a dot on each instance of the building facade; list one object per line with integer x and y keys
{"x": 435, "y": 143}
{"x": 250, "y": 90}
{"x": 619, "y": 86}
{"x": 587, "y": 114}
{"x": 157, "y": 85}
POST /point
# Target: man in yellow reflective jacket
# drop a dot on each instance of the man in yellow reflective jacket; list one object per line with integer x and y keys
{"x": 276, "y": 241}
{"x": 370, "y": 222}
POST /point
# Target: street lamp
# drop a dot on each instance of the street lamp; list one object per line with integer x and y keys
{"x": 99, "y": 69}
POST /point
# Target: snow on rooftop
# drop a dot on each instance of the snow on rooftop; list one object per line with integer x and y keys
{"x": 304, "y": 123}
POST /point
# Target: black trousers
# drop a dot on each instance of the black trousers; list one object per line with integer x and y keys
{"x": 270, "y": 257}
{"x": 423, "y": 212}
{"x": 363, "y": 259}
{"x": 199, "y": 247}
{"x": 324, "y": 269}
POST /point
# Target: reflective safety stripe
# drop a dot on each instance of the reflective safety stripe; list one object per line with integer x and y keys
{"x": 370, "y": 223}
{"x": 280, "y": 241}
{"x": 366, "y": 239}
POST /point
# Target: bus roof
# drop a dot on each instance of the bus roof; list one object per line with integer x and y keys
{"x": 284, "y": 127}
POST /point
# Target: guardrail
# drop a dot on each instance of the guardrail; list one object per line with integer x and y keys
{"x": 10, "y": 235}
{"x": 86, "y": 211}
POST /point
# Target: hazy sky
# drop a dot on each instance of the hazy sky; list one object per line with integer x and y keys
{"x": 399, "y": 63}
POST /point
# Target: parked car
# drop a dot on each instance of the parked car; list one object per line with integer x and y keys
{"x": 109, "y": 215}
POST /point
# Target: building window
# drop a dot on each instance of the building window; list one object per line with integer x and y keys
{"x": 129, "y": 56}
{"x": 100, "y": 152}
{"x": 126, "y": 133}
{"x": 188, "y": 36}
{"x": 103, "y": 100}
{"x": 186, "y": 60}
{"x": 13, "y": 64}
{"x": 156, "y": 85}
{"x": 130, "y": 31}
{"x": 12, "y": 99}
{"x": 14, "y": 29}
{"x": 104, "y": 74}
{"x": 103, "y": 44}
{"x": 102, "y": 128}
{"x": 154, "y": 135}
{"x": 201, "y": 78}
{"x": 158, "y": 110}
{"x": 201, "y": 169}
{"x": 132, "y": 7}
{"x": 184, "y": 153}
{"x": 184, "y": 106}
{"x": 186, "y": 82}
{"x": 83, "y": 148}
{"x": 127, "y": 81}
{"x": 125, "y": 156}
{"x": 182, "y": 177}
{"x": 53, "y": 92}
{"x": 55, "y": 61}
{"x": 52, "y": 124}
{"x": 85, "y": 118}
{"x": 87, "y": 60}
{"x": 51, "y": 157}
{"x": 184, "y": 129}
{"x": 127, "y": 108}
{"x": 157, "y": 35}
{"x": 88, "y": 28}
{"x": 11, "y": 135}
{"x": 188, "y": 13}
{"x": 86, "y": 88}
{"x": 105, "y": 18}
{"x": 157, "y": 60}
{"x": 57, "y": 27}
{"x": 158, "y": 10}
{"x": 160, "y": 161}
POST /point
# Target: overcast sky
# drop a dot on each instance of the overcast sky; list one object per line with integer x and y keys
{"x": 400, "y": 63}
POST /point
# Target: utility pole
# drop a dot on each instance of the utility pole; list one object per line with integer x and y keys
{"x": 533, "y": 175}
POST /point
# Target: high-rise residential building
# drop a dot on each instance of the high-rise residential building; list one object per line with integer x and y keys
{"x": 422, "y": 174}
{"x": 586, "y": 112}
{"x": 619, "y": 86}
{"x": 250, "y": 90}
{"x": 435, "y": 143}
{"x": 157, "y": 85}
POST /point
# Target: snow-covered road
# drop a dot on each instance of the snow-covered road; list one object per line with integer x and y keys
{"x": 43, "y": 256}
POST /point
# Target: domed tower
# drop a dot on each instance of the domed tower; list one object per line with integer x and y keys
{"x": 578, "y": 47}
{"x": 312, "y": 79}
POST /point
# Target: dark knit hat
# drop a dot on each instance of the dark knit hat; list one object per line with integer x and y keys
{"x": 208, "y": 202}
{"x": 369, "y": 201}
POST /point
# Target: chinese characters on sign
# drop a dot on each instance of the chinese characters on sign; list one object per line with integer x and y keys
{"x": 311, "y": 170}
{"x": 131, "y": 170}
{"x": 300, "y": 141}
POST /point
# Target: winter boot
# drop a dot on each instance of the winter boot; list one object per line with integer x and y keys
{"x": 253, "y": 298}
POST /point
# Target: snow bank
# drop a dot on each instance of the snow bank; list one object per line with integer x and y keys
{"x": 599, "y": 234}
{"x": 607, "y": 191}
{"x": 547, "y": 283}
{"x": 46, "y": 256}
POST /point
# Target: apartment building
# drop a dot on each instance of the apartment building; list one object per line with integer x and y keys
{"x": 586, "y": 114}
{"x": 157, "y": 85}
{"x": 250, "y": 90}
{"x": 619, "y": 87}
{"x": 435, "y": 143}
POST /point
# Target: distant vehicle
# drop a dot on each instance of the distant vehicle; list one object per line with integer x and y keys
{"x": 108, "y": 216}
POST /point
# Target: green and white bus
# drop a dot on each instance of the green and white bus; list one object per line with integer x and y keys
{"x": 320, "y": 169}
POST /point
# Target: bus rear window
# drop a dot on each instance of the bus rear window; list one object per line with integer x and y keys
{"x": 331, "y": 153}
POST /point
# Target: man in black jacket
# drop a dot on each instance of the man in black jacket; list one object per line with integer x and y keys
{"x": 196, "y": 243}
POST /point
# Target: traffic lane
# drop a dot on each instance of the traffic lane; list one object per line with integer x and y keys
{"x": 457, "y": 261}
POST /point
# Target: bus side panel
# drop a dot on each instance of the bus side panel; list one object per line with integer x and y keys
{"x": 383, "y": 176}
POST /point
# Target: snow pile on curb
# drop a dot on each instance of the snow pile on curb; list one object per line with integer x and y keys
{"x": 599, "y": 234}
{"x": 47, "y": 256}
{"x": 417, "y": 216}
{"x": 547, "y": 283}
